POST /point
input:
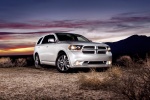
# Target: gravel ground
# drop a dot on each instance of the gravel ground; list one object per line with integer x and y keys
{"x": 47, "y": 84}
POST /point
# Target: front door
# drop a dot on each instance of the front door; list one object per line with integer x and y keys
{"x": 48, "y": 48}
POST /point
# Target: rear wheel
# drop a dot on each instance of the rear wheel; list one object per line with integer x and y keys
{"x": 62, "y": 63}
{"x": 37, "y": 61}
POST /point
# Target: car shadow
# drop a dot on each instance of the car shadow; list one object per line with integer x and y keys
{"x": 72, "y": 70}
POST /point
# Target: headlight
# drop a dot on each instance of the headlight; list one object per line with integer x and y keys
{"x": 75, "y": 47}
{"x": 108, "y": 49}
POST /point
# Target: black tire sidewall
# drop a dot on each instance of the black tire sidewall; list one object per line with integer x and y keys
{"x": 39, "y": 63}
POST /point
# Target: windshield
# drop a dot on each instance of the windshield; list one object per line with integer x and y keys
{"x": 71, "y": 37}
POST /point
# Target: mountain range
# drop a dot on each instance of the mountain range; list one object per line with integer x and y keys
{"x": 136, "y": 46}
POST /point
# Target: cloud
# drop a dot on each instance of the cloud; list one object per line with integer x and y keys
{"x": 131, "y": 25}
{"x": 39, "y": 32}
{"x": 43, "y": 24}
{"x": 24, "y": 35}
{"x": 5, "y": 45}
{"x": 124, "y": 23}
{"x": 118, "y": 23}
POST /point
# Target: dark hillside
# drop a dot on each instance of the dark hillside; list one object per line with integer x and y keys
{"x": 136, "y": 46}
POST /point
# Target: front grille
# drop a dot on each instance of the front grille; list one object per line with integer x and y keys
{"x": 101, "y": 52}
{"x": 94, "y": 62}
{"x": 99, "y": 47}
{"x": 89, "y": 47}
{"x": 94, "y": 50}
{"x": 88, "y": 52}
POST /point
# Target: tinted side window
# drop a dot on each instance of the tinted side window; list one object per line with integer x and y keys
{"x": 80, "y": 39}
{"x": 39, "y": 40}
{"x": 46, "y": 38}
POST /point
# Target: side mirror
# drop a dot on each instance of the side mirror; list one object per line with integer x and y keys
{"x": 51, "y": 40}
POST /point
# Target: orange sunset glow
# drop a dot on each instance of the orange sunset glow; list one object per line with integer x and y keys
{"x": 27, "y": 50}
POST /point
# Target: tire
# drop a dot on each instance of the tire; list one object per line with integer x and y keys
{"x": 62, "y": 63}
{"x": 37, "y": 61}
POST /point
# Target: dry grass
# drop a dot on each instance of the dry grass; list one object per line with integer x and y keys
{"x": 95, "y": 80}
{"x": 7, "y": 62}
{"x": 125, "y": 61}
{"x": 92, "y": 80}
{"x": 114, "y": 72}
{"x": 20, "y": 62}
{"x": 44, "y": 84}
{"x": 132, "y": 83}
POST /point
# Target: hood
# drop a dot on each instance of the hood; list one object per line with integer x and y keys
{"x": 84, "y": 43}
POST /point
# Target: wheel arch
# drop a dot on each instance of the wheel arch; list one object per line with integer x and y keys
{"x": 61, "y": 52}
{"x": 35, "y": 55}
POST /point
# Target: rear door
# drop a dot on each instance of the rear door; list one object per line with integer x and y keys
{"x": 42, "y": 49}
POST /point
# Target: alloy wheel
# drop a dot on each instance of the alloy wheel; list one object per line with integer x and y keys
{"x": 63, "y": 63}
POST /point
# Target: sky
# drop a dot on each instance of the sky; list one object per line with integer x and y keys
{"x": 23, "y": 22}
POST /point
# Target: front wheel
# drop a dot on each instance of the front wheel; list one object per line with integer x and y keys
{"x": 62, "y": 63}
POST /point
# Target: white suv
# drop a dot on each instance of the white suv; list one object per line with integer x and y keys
{"x": 67, "y": 50}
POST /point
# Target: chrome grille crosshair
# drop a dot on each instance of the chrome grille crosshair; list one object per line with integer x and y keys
{"x": 94, "y": 50}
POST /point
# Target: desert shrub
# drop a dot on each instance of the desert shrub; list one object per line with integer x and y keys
{"x": 114, "y": 72}
{"x": 148, "y": 62}
{"x": 30, "y": 61}
{"x": 131, "y": 84}
{"x": 93, "y": 80}
{"x": 6, "y": 62}
{"x": 20, "y": 62}
{"x": 125, "y": 61}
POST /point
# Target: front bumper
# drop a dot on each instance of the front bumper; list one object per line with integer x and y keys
{"x": 79, "y": 60}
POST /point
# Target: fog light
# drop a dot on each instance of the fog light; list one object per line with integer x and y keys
{"x": 109, "y": 62}
{"x": 77, "y": 63}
